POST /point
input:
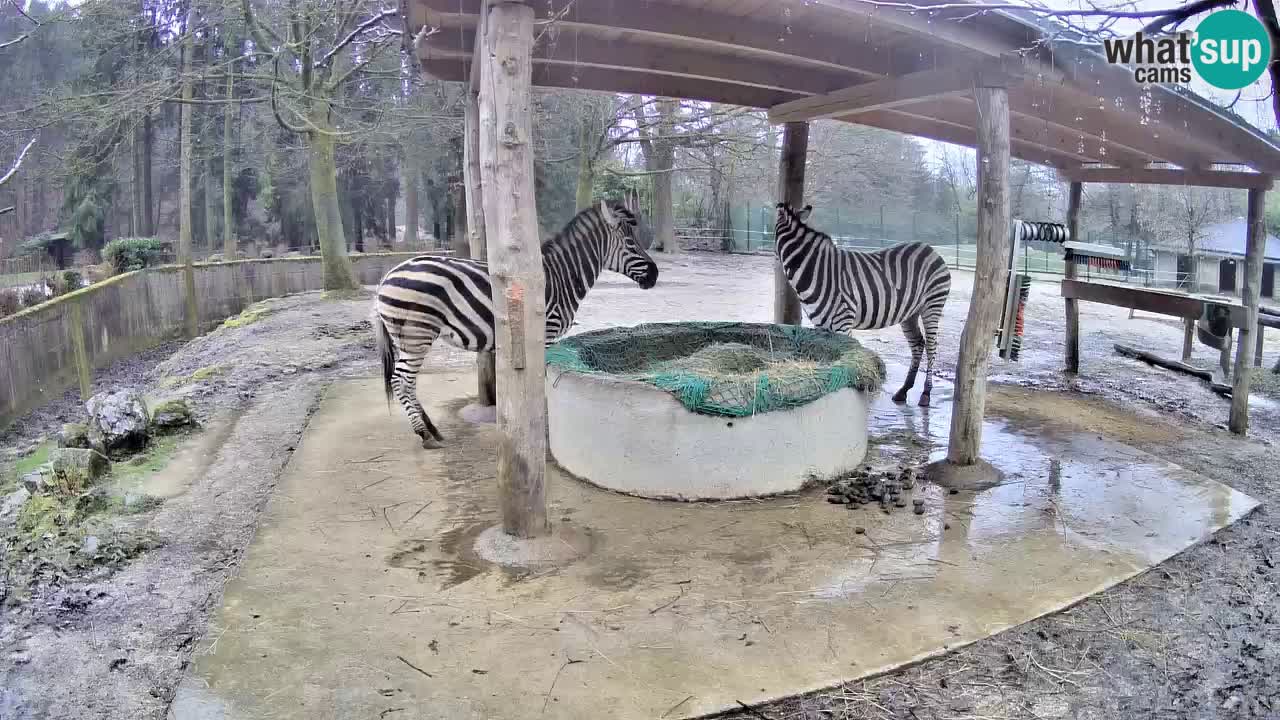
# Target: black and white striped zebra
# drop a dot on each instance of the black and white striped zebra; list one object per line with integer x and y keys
{"x": 843, "y": 290}
{"x": 428, "y": 297}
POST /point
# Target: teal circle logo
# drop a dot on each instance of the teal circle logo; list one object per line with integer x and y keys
{"x": 1231, "y": 49}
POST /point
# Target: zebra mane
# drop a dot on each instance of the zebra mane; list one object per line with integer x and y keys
{"x": 565, "y": 238}
{"x": 805, "y": 226}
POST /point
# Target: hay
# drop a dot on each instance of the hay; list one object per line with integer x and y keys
{"x": 726, "y": 369}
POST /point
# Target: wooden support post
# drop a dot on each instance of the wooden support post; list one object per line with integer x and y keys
{"x": 475, "y": 228}
{"x": 1257, "y": 347}
{"x": 1239, "y": 419}
{"x": 1075, "y": 195}
{"x": 515, "y": 262}
{"x": 984, "y": 308}
{"x": 795, "y": 146}
{"x": 1188, "y": 337}
{"x": 76, "y": 329}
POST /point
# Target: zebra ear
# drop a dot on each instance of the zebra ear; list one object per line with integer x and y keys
{"x": 606, "y": 213}
{"x": 803, "y": 213}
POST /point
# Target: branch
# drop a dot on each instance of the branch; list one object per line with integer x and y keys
{"x": 15, "y": 41}
{"x": 6, "y": 210}
{"x": 23, "y": 13}
{"x": 1177, "y": 16}
{"x": 357, "y": 32}
{"x": 262, "y": 35}
{"x": 275, "y": 108}
{"x": 17, "y": 163}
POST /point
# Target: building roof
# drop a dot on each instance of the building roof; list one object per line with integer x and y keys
{"x": 856, "y": 61}
{"x": 1228, "y": 238}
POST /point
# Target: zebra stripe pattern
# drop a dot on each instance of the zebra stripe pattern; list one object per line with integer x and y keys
{"x": 844, "y": 290}
{"x": 430, "y": 297}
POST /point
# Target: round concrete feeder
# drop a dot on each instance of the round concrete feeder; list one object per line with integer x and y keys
{"x": 633, "y": 437}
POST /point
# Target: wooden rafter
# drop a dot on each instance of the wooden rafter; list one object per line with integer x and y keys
{"x": 1172, "y": 176}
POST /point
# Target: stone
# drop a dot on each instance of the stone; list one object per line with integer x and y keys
{"x": 118, "y": 422}
{"x": 171, "y": 415}
{"x": 75, "y": 469}
{"x": 214, "y": 258}
{"x": 12, "y": 506}
{"x": 38, "y": 480}
{"x": 74, "y": 435}
{"x": 90, "y": 545}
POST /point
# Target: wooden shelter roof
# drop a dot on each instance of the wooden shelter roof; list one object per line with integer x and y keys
{"x": 883, "y": 67}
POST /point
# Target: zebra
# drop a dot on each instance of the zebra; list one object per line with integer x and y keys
{"x": 843, "y": 290}
{"x": 433, "y": 296}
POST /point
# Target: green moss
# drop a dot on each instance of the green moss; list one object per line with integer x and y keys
{"x": 153, "y": 459}
{"x": 248, "y": 316}
{"x": 205, "y": 373}
{"x": 43, "y": 515}
{"x": 30, "y": 463}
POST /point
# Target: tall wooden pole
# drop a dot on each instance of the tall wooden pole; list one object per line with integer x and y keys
{"x": 984, "y": 308}
{"x": 475, "y": 227}
{"x": 184, "y": 180}
{"x": 1075, "y": 194}
{"x": 1239, "y": 418}
{"x": 515, "y": 265}
{"x": 795, "y": 146}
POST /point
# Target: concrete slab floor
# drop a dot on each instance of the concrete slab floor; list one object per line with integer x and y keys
{"x": 362, "y": 596}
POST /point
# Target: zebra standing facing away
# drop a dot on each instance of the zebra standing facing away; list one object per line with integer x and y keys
{"x": 843, "y": 290}
{"x": 430, "y": 296}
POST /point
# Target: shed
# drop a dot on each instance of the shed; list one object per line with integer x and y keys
{"x": 1003, "y": 82}
{"x": 1217, "y": 261}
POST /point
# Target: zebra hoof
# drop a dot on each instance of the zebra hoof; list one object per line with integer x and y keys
{"x": 924, "y": 401}
{"x": 430, "y": 443}
{"x": 900, "y": 396}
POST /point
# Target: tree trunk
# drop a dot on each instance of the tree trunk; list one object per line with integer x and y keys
{"x": 211, "y": 195}
{"x": 486, "y": 393}
{"x": 391, "y": 218}
{"x": 411, "y": 211}
{"x": 1075, "y": 196}
{"x": 228, "y": 128}
{"x": 149, "y": 209}
{"x": 586, "y": 172}
{"x": 510, "y": 213}
{"x": 795, "y": 148}
{"x": 324, "y": 201}
{"x": 184, "y": 180}
{"x": 984, "y": 309}
{"x": 664, "y": 225}
{"x": 135, "y": 147}
{"x": 1238, "y": 420}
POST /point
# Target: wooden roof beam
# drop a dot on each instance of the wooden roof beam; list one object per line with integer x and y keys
{"x": 740, "y": 36}
{"x": 902, "y": 90}
{"x": 570, "y": 77}
{"x": 591, "y": 51}
{"x": 957, "y": 134}
{"x": 1171, "y": 176}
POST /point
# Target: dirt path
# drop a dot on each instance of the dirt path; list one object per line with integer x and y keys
{"x": 1195, "y": 638}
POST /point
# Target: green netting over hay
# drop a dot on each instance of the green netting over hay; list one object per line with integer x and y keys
{"x": 725, "y": 369}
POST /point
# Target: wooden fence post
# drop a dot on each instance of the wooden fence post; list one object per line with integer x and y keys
{"x": 992, "y": 249}
{"x": 1249, "y": 294}
{"x": 475, "y": 227}
{"x": 515, "y": 261}
{"x": 1075, "y": 195}
{"x": 795, "y": 146}
{"x": 76, "y": 328}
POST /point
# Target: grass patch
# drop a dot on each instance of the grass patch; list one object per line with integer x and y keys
{"x": 203, "y": 373}
{"x": 10, "y": 475}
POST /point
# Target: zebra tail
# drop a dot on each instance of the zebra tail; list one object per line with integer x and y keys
{"x": 388, "y": 354}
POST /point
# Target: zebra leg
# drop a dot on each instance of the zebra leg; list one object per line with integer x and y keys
{"x": 404, "y": 383}
{"x": 911, "y": 328}
{"x": 932, "y": 318}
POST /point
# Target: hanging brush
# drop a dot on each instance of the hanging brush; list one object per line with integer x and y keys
{"x": 1024, "y": 290}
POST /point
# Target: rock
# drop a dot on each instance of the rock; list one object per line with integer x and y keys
{"x": 12, "y": 506}
{"x": 38, "y": 480}
{"x": 118, "y": 422}
{"x": 267, "y": 253}
{"x": 171, "y": 415}
{"x": 90, "y": 545}
{"x": 214, "y": 257}
{"x": 76, "y": 470}
{"x": 74, "y": 435}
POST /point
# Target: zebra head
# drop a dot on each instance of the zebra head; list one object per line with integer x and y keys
{"x": 622, "y": 253}
{"x": 788, "y": 216}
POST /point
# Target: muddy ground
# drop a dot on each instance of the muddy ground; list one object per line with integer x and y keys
{"x": 1194, "y": 638}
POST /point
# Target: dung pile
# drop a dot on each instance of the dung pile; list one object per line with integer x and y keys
{"x": 866, "y": 486}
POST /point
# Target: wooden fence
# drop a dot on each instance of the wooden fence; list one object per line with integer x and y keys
{"x": 57, "y": 345}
